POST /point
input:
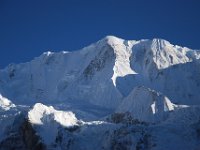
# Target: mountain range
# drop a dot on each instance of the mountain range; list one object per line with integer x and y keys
{"x": 114, "y": 94}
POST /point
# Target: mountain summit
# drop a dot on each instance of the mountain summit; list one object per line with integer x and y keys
{"x": 109, "y": 88}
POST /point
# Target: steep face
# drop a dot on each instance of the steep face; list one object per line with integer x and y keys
{"x": 146, "y": 105}
{"x": 122, "y": 50}
{"x": 158, "y": 53}
{"x": 60, "y": 76}
{"x": 164, "y": 67}
{"x": 79, "y": 75}
{"x": 21, "y": 135}
{"x": 150, "y": 57}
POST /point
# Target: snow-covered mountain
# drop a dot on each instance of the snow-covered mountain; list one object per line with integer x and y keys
{"x": 113, "y": 94}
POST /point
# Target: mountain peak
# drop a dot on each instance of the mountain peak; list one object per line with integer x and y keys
{"x": 112, "y": 40}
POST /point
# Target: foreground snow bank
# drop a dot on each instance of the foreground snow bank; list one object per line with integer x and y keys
{"x": 47, "y": 121}
{"x": 41, "y": 114}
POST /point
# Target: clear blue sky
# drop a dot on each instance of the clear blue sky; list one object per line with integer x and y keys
{"x": 30, "y": 27}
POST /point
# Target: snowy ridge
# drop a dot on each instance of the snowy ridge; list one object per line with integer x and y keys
{"x": 146, "y": 105}
{"x": 122, "y": 50}
{"x": 164, "y": 55}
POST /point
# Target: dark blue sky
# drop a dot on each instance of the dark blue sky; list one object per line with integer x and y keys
{"x": 28, "y": 28}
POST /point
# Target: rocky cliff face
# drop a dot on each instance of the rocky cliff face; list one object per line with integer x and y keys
{"x": 21, "y": 135}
